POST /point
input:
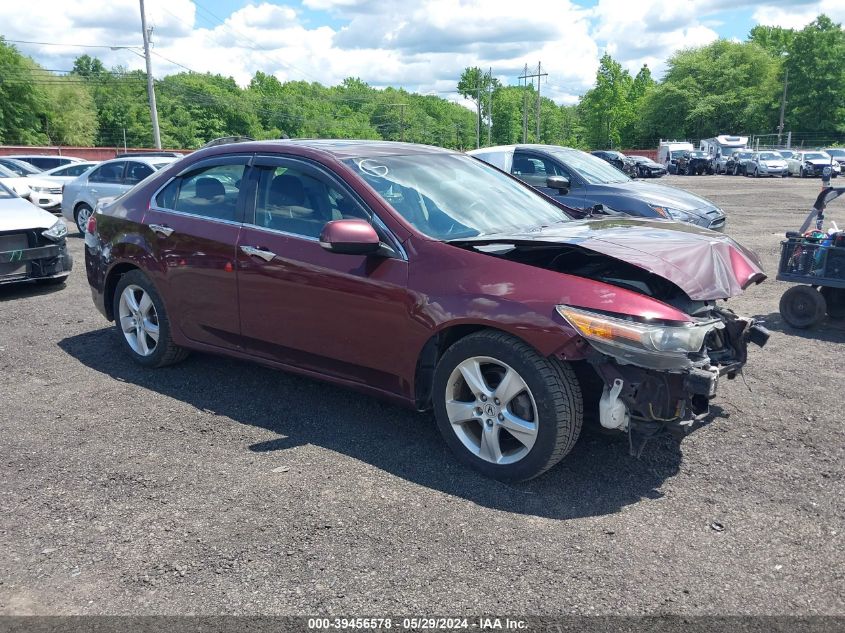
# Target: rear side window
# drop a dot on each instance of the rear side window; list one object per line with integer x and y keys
{"x": 108, "y": 173}
{"x": 46, "y": 163}
{"x": 136, "y": 172}
{"x": 210, "y": 192}
{"x": 73, "y": 170}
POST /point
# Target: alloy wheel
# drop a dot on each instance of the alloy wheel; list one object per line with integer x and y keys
{"x": 491, "y": 409}
{"x": 82, "y": 216}
{"x": 138, "y": 320}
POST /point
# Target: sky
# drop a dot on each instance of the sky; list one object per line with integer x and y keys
{"x": 421, "y": 45}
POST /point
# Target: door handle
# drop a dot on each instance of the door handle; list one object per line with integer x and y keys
{"x": 163, "y": 229}
{"x": 258, "y": 252}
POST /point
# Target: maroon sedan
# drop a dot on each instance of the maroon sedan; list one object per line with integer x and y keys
{"x": 430, "y": 278}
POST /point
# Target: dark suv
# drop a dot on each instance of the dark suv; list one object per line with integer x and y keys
{"x": 430, "y": 278}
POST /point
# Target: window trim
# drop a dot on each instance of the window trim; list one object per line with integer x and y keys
{"x": 214, "y": 161}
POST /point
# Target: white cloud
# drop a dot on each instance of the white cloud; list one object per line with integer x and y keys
{"x": 423, "y": 45}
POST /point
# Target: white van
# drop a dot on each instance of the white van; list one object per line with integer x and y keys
{"x": 723, "y": 145}
{"x": 665, "y": 149}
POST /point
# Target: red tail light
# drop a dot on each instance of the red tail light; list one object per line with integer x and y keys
{"x": 91, "y": 227}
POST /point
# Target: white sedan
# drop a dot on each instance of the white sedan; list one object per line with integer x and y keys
{"x": 812, "y": 163}
{"x": 44, "y": 193}
{"x": 32, "y": 242}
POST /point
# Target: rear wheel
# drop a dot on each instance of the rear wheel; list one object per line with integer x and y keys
{"x": 835, "y": 300}
{"x": 504, "y": 409}
{"x": 83, "y": 212}
{"x": 142, "y": 323}
{"x": 802, "y": 306}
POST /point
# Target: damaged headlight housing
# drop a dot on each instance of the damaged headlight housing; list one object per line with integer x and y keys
{"x": 56, "y": 232}
{"x": 650, "y": 345}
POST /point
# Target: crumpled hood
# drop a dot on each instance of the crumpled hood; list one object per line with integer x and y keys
{"x": 822, "y": 162}
{"x": 19, "y": 214}
{"x": 661, "y": 195}
{"x": 704, "y": 264}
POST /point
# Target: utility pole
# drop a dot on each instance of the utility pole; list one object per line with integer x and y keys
{"x": 783, "y": 103}
{"x": 401, "y": 107}
{"x": 490, "y": 109}
{"x": 539, "y": 75}
{"x": 524, "y": 105}
{"x": 151, "y": 92}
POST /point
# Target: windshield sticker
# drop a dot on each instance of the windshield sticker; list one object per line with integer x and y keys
{"x": 373, "y": 168}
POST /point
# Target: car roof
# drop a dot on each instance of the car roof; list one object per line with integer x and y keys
{"x": 142, "y": 159}
{"x": 338, "y": 149}
{"x": 72, "y": 159}
{"x": 525, "y": 146}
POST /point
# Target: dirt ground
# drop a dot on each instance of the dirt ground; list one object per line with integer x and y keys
{"x": 220, "y": 487}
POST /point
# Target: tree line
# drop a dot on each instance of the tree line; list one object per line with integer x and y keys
{"x": 724, "y": 87}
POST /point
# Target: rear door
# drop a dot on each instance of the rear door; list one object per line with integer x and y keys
{"x": 192, "y": 226}
{"x": 305, "y": 306}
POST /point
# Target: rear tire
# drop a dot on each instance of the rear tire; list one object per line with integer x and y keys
{"x": 536, "y": 411}
{"x": 802, "y": 307}
{"x": 835, "y": 301}
{"x": 141, "y": 322}
{"x": 80, "y": 216}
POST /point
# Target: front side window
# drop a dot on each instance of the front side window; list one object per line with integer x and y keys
{"x": 210, "y": 192}
{"x": 300, "y": 201}
{"x": 452, "y": 196}
{"x": 108, "y": 173}
{"x": 534, "y": 170}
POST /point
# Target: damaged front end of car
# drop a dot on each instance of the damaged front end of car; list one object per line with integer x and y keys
{"x": 660, "y": 377}
{"x": 658, "y": 374}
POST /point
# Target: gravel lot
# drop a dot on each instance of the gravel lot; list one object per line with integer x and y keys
{"x": 217, "y": 486}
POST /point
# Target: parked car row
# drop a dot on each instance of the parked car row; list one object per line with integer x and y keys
{"x": 634, "y": 166}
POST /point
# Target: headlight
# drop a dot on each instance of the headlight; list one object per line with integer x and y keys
{"x": 40, "y": 189}
{"x": 674, "y": 214}
{"x": 56, "y": 232}
{"x": 650, "y": 345}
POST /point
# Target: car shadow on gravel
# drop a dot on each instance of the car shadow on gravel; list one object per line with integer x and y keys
{"x": 829, "y": 330}
{"x": 597, "y": 478}
{"x": 10, "y": 292}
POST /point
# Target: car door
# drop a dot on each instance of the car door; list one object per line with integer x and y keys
{"x": 304, "y": 306}
{"x": 533, "y": 169}
{"x": 192, "y": 227}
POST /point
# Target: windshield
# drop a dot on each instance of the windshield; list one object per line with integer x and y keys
{"x": 678, "y": 153}
{"x": 698, "y": 154}
{"x": 836, "y": 152}
{"x": 816, "y": 156}
{"x": 594, "y": 170}
{"x": 743, "y": 154}
{"x": 451, "y": 196}
{"x": 19, "y": 167}
{"x": 6, "y": 193}
{"x": 770, "y": 156}
{"x": 7, "y": 173}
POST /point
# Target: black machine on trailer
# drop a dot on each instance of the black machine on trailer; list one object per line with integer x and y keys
{"x": 814, "y": 258}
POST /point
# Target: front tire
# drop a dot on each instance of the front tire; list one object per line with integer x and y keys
{"x": 504, "y": 409}
{"x": 142, "y": 324}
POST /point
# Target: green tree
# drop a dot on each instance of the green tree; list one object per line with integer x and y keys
{"x": 22, "y": 101}
{"x": 606, "y": 109}
{"x": 476, "y": 85}
{"x": 817, "y": 78}
{"x": 70, "y": 113}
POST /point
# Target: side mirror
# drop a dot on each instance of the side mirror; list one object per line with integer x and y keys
{"x": 350, "y": 237}
{"x": 558, "y": 182}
